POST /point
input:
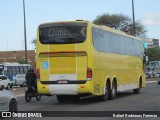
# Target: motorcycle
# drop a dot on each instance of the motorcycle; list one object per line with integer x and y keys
{"x": 32, "y": 92}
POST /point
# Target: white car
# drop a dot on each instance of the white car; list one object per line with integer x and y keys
{"x": 5, "y": 81}
{"x": 8, "y": 101}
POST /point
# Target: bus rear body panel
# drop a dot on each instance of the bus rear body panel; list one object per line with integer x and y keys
{"x": 63, "y": 71}
{"x": 63, "y": 67}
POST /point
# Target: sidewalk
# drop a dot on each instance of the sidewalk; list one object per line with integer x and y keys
{"x": 153, "y": 79}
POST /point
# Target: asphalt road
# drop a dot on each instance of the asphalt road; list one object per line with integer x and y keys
{"x": 147, "y": 100}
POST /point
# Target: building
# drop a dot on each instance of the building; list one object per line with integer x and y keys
{"x": 18, "y": 56}
{"x": 151, "y": 42}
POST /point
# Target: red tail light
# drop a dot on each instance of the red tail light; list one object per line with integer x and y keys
{"x": 89, "y": 74}
{"x": 38, "y": 74}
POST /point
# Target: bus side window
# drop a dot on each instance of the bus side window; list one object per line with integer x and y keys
{"x": 17, "y": 70}
{"x": 30, "y": 67}
{"x": 9, "y": 70}
{"x": 14, "y": 69}
{"x": 21, "y": 70}
{"x": 4, "y": 71}
{"x": 25, "y": 69}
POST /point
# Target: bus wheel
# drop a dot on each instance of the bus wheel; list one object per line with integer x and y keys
{"x": 104, "y": 97}
{"x": 113, "y": 91}
{"x": 61, "y": 98}
{"x": 137, "y": 91}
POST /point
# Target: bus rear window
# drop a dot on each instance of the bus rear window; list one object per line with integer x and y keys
{"x": 63, "y": 33}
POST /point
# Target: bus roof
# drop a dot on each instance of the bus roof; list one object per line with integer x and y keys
{"x": 9, "y": 63}
{"x": 13, "y": 64}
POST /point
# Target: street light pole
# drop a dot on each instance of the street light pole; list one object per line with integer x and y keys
{"x": 133, "y": 18}
{"x": 25, "y": 37}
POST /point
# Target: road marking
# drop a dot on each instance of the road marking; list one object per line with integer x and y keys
{"x": 150, "y": 82}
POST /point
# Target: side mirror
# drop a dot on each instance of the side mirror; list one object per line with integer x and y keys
{"x": 1, "y": 87}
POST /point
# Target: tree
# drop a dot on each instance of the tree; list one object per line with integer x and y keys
{"x": 21, "y": 61}
{"x": 121, "y": 22}
{"x": 153, "y": 54}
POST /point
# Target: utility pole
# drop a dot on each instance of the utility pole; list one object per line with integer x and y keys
{"x": 134, "y": 33}
{"x": 25, "y": 37}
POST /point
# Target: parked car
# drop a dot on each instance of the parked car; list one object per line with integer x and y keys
{"x": 5, "y": 82}
{"x": 8, "y": 101}
{"x": 149, "y": 75}
{"x": 157, "y": 75}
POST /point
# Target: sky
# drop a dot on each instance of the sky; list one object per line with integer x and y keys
{"x": 42, "y": 11}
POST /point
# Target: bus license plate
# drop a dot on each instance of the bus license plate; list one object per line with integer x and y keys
{"x": 62, "y": 81}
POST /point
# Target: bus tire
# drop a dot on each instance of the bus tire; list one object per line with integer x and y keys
{"x": 158, "y": 82}
{"x": 105, "y": 96}
{"x": 113, "y": 90}
{"x": 61, "y": 98}
{"x": 137, "y": 90}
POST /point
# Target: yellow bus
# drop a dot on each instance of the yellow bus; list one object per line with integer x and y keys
{"x": 79, "y": 58}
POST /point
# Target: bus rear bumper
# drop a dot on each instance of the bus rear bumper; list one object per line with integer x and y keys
{"x": 65, "y": 89}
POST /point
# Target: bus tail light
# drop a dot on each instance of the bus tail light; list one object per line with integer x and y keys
{"x": 89, "y": 74}
{"x": 38, "y": 74}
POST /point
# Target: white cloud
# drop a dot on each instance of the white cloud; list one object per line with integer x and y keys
{"x": 152, "y": 19}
